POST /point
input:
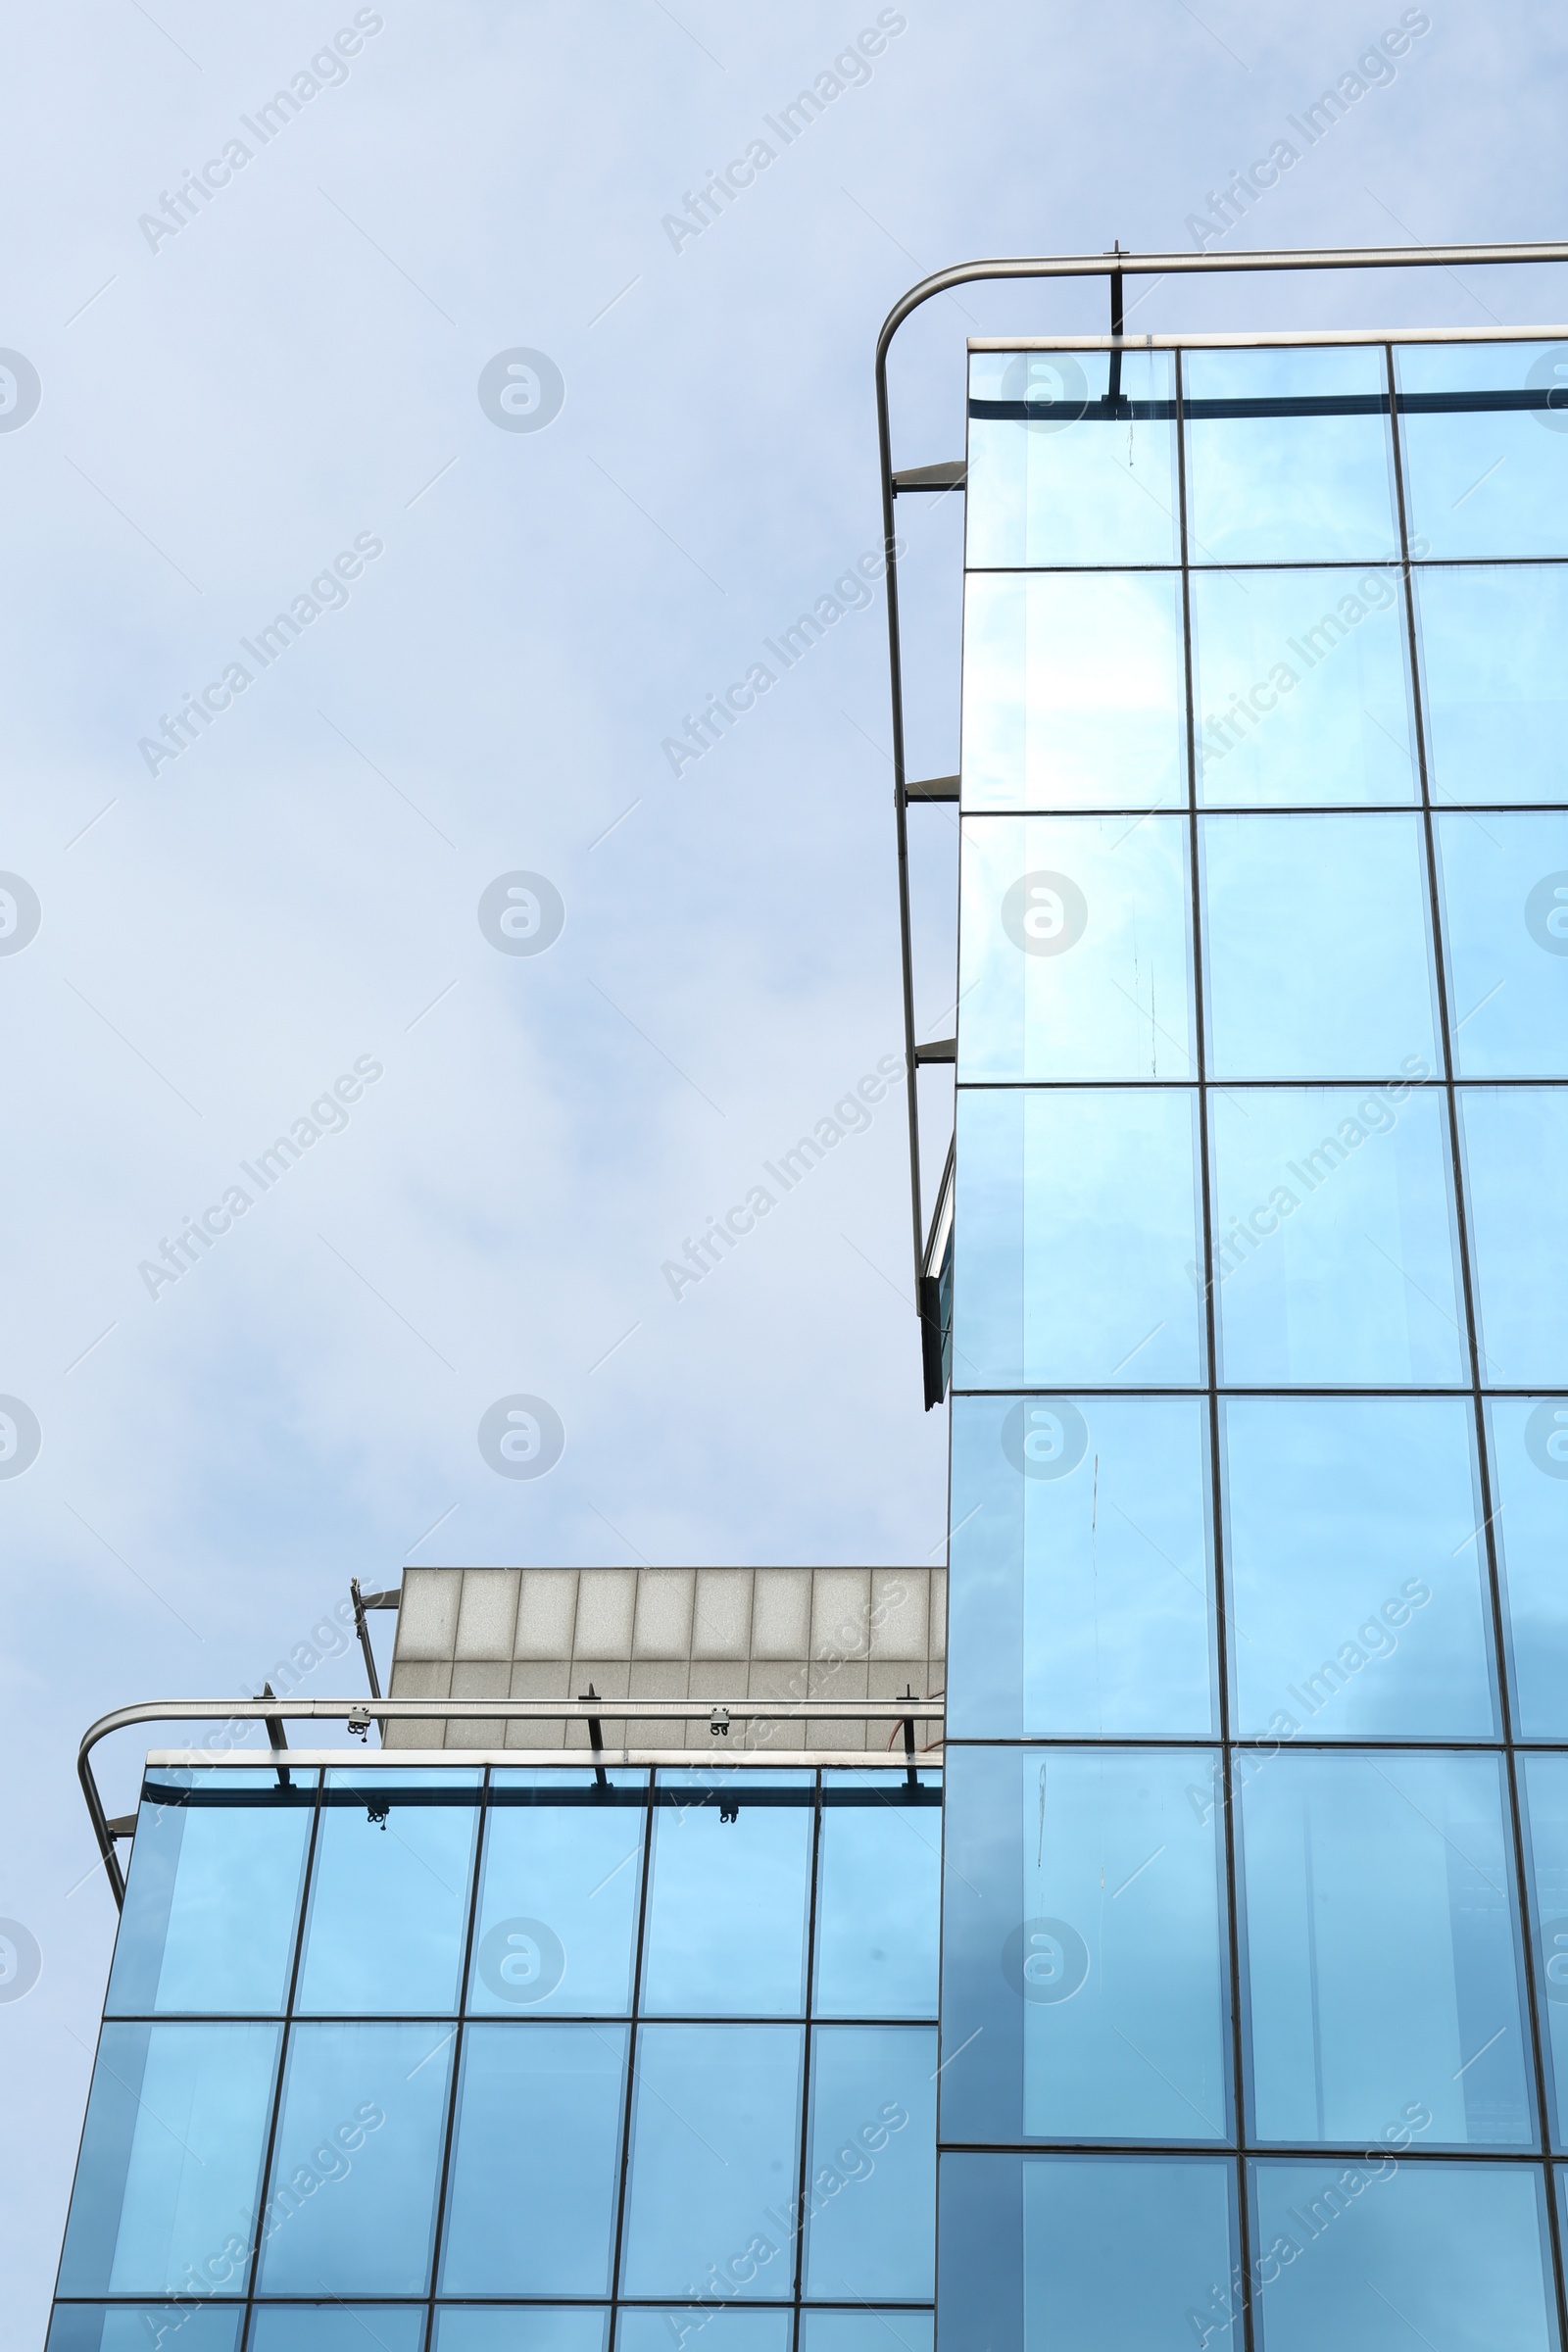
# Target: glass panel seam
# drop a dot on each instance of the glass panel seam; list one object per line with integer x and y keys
{"x": 286, "y": 2036}
{"x": 476, "y": 1861}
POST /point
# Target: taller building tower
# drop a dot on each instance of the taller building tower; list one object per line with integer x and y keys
{"x": 1249, "y": 1274}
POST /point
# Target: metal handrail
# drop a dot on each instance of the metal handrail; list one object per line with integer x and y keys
{"x": 1117, "y": 266}
{"x": 593, "y": 1712}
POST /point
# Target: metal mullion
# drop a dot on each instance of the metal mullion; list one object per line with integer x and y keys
{"x": 809, "y": 2027}
{"x": 480, "y": 1856}
{"x": 941, "y": 1875}
{"x": 1440, "y": 973}
{"x": 1246, "y": 1086}
{"x": 1081, "y": 811}
{"x": 633, "y": 2026}
{"x": 1532, "y": 2004}
{"x": 1353, "y": 1743}
{"x": 1317, "y": 1388}
{"x": 1274, "y": 564}
{"x": 1334, "y": 2151}
{"x": 285, "y": 2044}
{"x": 1221, "y": 1649}
{"x": 1466, "y": 1275}
{"x": 1277, "y": 339}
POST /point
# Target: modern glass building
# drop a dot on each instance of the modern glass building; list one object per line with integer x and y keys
{"x": 1249, "y": 1283}
{"x": 1256, "y": 1926}
{"x": 498, "y": 2057}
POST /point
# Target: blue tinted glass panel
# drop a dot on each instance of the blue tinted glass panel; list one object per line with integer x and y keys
{"x": 558, "y": 1901}
{"x": 389, "y": 1895}
{"x": 535, "y": 2161}
{"x": 1079, "y": 1602}
{"x": 212, "y": 1898}
{"x": 1356, "y": 1569}
{"x": 134, "y": 2326}
{"x": 1333, "y": 1235}
{"x": 1516, "y": 1146}
{"x": 722, "y": 2330}
{"x": 866, "y": 2332}
{"x": 351, "y": 2203}
{"x": 336, "y": 2327}
{"x": 879, "y": 1892}
{"x": 1367, "y": 2258}
{"x": 1318, "y": 940}
{"x": 565, "y": 2329}
{"x": 1546, "y": 1785}
{"x": 1075, "y": 948}
{"x": 1085, "y": 2253}
{"x": 1382, "y": 1950}
{"x": 1274, "y": 487}
{"x": 1073, "y": 691}
{"x": 1485, "y": 481}
{"x": 1301, "y": 685}
{"x": 727, "y": 1896}
{"x": 1505, "y": 916}
{"x": 873, "y": 2163}
{"x": 715, "y": 2143}
{"x": 171, "y": 2159}
{"x": 1529, "y": 1447}
{"x": 1061, "y": 474}
{"x": 1083, "y": 1947}
{"x": 1076, "y": 1240}
{"x": 1496, "y": 700}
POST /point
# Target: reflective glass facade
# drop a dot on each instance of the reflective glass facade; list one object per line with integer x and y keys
{"x": 476, "y": 2060}
{"x": 1255, "y": 1921}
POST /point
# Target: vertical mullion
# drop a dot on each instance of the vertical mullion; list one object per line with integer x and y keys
{"x": 632, "y": 2027}
{"x": 1450, "y": 1090}
{"x": 285, "y": 2043}
{"x": 805, "y": 2057}
{"x": 481, "y": 1828}
{"x": 1488, "y": 1532}
{"x": 1526, "y": 1931}
{"x": 1221, "y": 1651}
{"x": 1439, "y": 959}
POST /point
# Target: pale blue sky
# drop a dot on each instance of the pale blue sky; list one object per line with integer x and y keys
{"x": 224, "y": 415}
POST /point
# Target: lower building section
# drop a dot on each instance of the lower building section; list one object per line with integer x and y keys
{"x": 542, "y": 2058}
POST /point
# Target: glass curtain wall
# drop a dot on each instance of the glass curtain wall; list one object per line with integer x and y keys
{"x": 1255, "y": 1924}
{"x": 516, "y": 2061}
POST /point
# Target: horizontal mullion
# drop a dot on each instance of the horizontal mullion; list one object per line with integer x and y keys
{"x": 443, "y": 2302}
{"x": 1382, "y": 561}
{"x": 502, "y": 2017}
{"x": 1230, "y": 2151}
{"x": 1184, "y": 808}
{"x": 1249, "y": 1743}
{"x": 1436, "y": 1084}
{"x": 1222, "y": 1389}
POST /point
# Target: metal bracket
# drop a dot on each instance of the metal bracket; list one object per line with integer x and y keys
{"x": 936, "y": 1287}
{"x": 276, "y": 1734}
{"x": 952, "y": 475}
{"x": 369, "y": 1601}
{"x": 596, "y": 1739}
